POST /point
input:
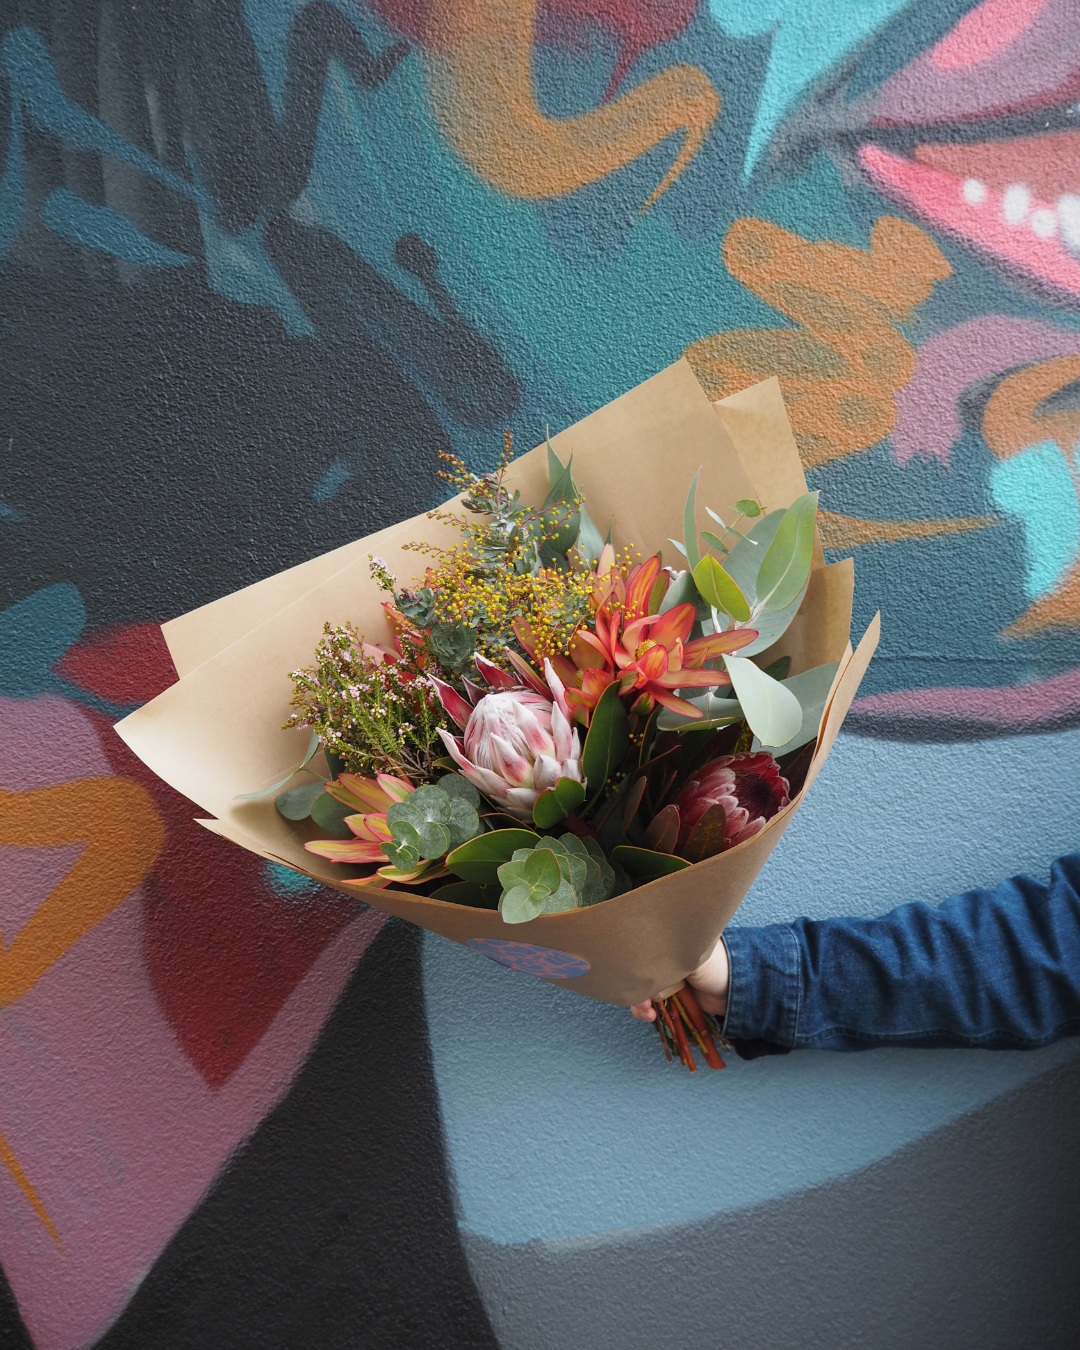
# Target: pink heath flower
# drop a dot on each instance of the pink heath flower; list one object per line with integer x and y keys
{"x": 516, "y": 744}
{"x": 748, "y": 787}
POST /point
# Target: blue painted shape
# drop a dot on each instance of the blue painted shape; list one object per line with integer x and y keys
{"x": 808, "y": 38}
{"x": 239, "y": 268}
{"x": 108, "y": 231}
{"x": 13, "y": 183}
{"x": 886, "y": 822}
{"x": 26, "y": 60}
{"x": 545, "y": 962}
{"x": 289, "y": 885}
{"x": 34, "y": 634}
{"x": 1037, "y": 488}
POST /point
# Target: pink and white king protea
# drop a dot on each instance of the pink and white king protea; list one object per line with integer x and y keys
{"x": 517, "y": 741}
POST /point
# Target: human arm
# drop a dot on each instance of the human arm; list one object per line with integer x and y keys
{"x": 997, "y": 969}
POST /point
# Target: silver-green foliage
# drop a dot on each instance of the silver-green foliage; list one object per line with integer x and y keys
{"x": 431, "y": 821}
{"x": 555, "y": 875}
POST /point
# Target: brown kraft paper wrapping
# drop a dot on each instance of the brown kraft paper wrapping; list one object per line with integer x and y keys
{"x": 215, "y": 734}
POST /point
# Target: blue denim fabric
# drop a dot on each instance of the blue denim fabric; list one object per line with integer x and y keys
{"x": 994, "y": 969}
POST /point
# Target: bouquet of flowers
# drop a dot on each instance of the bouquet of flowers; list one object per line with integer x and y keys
{"x": 530, "y": 735}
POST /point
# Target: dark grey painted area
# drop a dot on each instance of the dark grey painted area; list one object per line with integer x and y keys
{"x": 966, "y": 1240}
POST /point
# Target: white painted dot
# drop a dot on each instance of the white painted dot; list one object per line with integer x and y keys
{"x": 1068, "y": 214}
{"x": 1015, "y": 204}
{"x": 1044, "y": 222}
{"x": 974, "y": 192}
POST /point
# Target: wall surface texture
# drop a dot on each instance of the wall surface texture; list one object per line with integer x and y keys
{"x": 260, "y": 261}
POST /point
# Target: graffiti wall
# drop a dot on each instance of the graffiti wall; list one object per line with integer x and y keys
{"x": 260, "y": 262}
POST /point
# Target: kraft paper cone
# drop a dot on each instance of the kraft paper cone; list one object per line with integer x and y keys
{"x": 215, "y": 734}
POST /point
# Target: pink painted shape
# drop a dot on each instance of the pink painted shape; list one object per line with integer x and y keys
{"x": 926, "y": 417}
{"x": 47, "y": 740}
{"x": 936, "y": 196}
{"x": 27, "y": 875}
{"x": 984, "y": 31}
{"x": 1034, "y": 66}
{"x": 115, "y": 1128}
{"x": 1019, "y": 708}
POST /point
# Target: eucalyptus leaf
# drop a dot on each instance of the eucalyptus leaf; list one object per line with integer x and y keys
{"x": 715, "y": 712}
{"x": 297, "y": 802}
{"x": 589, "y": 543}
{"x": 682, "y": 591}
{"x": 811, "y": 688}
{"x": 690, "y": 544}
{"x": 309, "y": 754}
{"x": 771, "y": 709}
{"x": 469, "y": 893}
{"x": 746, "y": 506}
{"x": 329, "y": 814}
{"x": 786, "y": 565}
{"x": 457, "y": 785}
{"x": 720, "y": 590}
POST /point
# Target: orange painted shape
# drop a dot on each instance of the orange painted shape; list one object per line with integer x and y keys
{"x": 8, "y": 1158}
{"x": 481, "y": 80}
{"x": 840, "y": 368}
{"x": 123, "y": 834}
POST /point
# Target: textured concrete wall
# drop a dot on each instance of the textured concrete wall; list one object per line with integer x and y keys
{"x": 259, "y": 263}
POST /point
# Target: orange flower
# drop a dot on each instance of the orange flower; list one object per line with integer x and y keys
{"x": 643, "y": 650}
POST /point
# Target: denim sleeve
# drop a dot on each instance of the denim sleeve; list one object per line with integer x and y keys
{"x": 997, "y": 969}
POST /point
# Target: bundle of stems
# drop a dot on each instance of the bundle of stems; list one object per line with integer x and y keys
{"x": 682, "y": 1024}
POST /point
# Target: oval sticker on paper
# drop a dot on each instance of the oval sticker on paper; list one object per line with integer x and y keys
{"x": 545, "y": 962}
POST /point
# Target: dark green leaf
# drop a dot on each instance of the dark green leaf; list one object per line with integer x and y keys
{"x": 589, "y": 543}
{"x": 607, "y": 741}
{"x": 663, "y": 832}
{"x": 570, "y": 793}
{"x": 469, "y": 893}
{"x": 779, "y": 668}
{"x": 479, "y": 859}
{"x": 296, "y": 803}
{"x": 643, "y": 864}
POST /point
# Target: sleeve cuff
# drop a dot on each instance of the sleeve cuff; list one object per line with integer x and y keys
{"x": 764, "y": 986}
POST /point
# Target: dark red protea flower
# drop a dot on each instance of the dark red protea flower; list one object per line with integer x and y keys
{"x": 748, "y": 789}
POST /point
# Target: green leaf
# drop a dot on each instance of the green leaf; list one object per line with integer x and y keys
{"x": 690, "y": 545}
{"x": 707, "y": 837}
{"x": 309, "y": 753}
{"x": 643, "y": 864}
{"x": 589, "y": 543}
{"x": 715, "y": 540}
{"x": 607, "y": 874}
{"x": 556, "y": 803}
{"x": 402, "y": 856}
{"x": 564, "y": 897}
{"x": 469, "y": 893}
{"x": 297, "y": 802}
{"x": 479, "y": 859}
{"x": 811, "y": 688}
{"x": 457, "y": 785}
{"x": 464, "y": 822}
{"x": 779, "y": 669}
{"x": 682, "y": 591}
{"x": 330, "y": 814}
{"x": 519, "y": 904}
{"x": 771, "y": 709}
{"x": 746, "y": 506}
{"x": 570, "y": 793}
{"x": 786, "y": 565}
{"x": 607, "y": 741}
{"x": 720, "y": 590}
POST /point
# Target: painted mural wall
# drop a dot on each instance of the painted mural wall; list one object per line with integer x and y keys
{"x": 260, "y": 261}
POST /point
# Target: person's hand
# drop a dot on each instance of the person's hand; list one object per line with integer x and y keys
{"x": 710, "y": 982}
